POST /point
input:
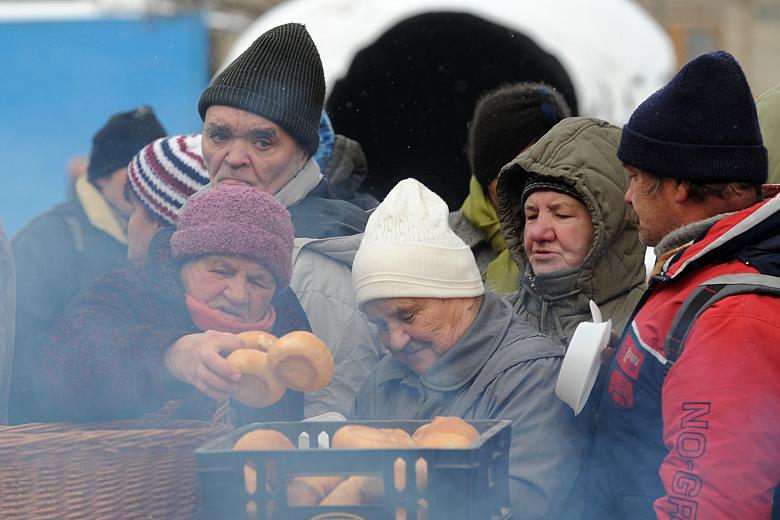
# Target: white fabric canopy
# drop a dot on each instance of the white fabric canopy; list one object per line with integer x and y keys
{"x": 614, "y": 52}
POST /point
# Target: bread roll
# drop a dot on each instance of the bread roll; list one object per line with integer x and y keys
{"x": 302, "y": 492}
{"x": 327, "y": 482}
{"x": 258, "y": 387}
{"x": 302, "y": 361}
{"x": 355, "y": 436}
{"x": 259, "y": 440}
{"x": 263, "y": 440}
{"x": 257, "y": 339}
{"x": 442, "y": 440}
{"x": 347, "y": 493}
{"x": 399, "y": 438}
{"x": 449, "y": 424}
{"x": 372, "y": 488}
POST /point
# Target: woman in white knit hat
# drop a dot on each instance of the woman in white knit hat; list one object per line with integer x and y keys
{"x": 457, "y": 350}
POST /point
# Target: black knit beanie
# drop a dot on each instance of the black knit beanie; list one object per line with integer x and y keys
{"x": 701, "y": 127}
{"x": 536, "y": 183}
{"x": 506, "y": 121}
{"x": 279, "y": 77}
{"x": 120, "y": 139}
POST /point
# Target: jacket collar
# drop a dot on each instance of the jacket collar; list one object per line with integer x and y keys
{"x": 100, "y": 214}
{"x": 727, "y": 237}
{"x": 301, "y": 185}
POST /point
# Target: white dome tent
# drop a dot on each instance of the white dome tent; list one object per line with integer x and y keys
{"x": 615, "y": 53}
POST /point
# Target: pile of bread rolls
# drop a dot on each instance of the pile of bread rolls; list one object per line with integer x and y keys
{"x": 441, "y": 432}
{"x": 270, "y": 365}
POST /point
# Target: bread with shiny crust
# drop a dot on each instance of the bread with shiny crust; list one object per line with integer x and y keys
{"x": 257, "y": 339}
{"x": 259, "y": 387}
{"x": 302, "y": 361}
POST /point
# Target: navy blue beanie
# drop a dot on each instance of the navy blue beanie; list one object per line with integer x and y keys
{"x": 701, "y": 127}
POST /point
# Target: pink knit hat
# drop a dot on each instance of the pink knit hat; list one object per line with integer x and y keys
{"x": 238, "y": 221}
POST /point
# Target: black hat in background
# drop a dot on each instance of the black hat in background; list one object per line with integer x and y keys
{"x": 279, "y": 77}
{"x": 700, "y": 127}
{"x": 120, "y": 139}
{"x": 409, "y": 96}
{"x": 508, "y": 120}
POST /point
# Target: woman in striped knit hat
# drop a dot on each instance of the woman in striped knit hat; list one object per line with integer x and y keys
{"x": 161, "y": 177}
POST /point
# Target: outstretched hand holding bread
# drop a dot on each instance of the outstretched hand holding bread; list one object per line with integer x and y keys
{"x": 298, "y": 360}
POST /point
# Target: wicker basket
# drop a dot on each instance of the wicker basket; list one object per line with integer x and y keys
{"x": 112, "y": 470}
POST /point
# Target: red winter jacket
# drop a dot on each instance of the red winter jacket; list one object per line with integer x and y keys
{"x": 703, "y": 442}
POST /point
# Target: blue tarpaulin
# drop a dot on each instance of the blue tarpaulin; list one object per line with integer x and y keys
{"x": 61, "y": 81}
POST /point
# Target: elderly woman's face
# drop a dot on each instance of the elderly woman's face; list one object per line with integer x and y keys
{"x": 558, "y": 231}
{"x": 240, "y": 289}
{"x": 418, "y": 331}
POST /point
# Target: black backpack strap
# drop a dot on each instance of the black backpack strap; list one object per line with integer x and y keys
{"x": 706, "y": 295}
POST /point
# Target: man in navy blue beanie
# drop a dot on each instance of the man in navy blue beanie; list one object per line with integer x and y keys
{"x": 689, "y": 419}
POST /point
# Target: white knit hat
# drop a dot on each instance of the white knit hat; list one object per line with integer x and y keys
{"x": 408, "y": 250}
{"x": 166, "y": 172}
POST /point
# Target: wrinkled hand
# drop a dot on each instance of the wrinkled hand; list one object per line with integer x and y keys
{"x": 609, "y": 351}
{"x": 195, "y": 359}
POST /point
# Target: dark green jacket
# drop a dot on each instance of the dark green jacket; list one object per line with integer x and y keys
{"x": 581, "y": 152}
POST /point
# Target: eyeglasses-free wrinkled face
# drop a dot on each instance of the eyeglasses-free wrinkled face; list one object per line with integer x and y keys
{"x": 558, "y": 231}
{"x": 238, "y": 288}
{"x": 240, "y": 147}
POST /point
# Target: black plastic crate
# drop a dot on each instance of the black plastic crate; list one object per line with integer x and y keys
{"x": 463, "y": 484}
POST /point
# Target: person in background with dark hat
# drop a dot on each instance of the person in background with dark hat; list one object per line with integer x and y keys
{"x": 506, "y": 121}
{"x": 688, "y": 424}
{"x": 62, "y": 251}
{"x": 160, "y": 179}
{"x": 566, "y": 225}
{"x": 261, "y": 118}
{"x": 344, "y": 163}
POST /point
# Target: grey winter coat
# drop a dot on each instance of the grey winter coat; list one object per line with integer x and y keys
{"x": 581, "y": 152}
{"x": 322, "y": 281}
{"x": 499, "y": 369}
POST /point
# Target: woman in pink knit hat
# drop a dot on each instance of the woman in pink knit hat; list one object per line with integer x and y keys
{"x": 159, "y": 331}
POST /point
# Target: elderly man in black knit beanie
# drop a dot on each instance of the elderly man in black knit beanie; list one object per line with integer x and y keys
{"x": 261, "y": 119}
{"x": 689, "y": 420}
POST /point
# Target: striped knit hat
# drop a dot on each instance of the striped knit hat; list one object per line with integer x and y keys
{"x": 166, "y": 172}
